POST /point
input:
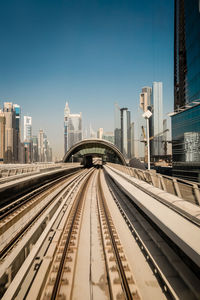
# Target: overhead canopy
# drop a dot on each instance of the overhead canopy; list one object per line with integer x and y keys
{"x": 95, "y": 147}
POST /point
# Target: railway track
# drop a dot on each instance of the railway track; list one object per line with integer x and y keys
{"x": 65, "y": 191}
{"x": 115, "y": 259}
{"x": 59, "y": 284}
{"x": 60, "y": 280}
{"x": 82, "y": 254}
{"x": 66, "y": 256}
{"x": 8, "y": 218}
{"x": 18, "y": 203}
{"x": 177, "y": 275}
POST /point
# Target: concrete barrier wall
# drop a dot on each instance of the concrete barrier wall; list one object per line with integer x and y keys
{"x": 11, "y": 190}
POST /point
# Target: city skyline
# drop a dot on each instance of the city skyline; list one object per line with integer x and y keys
{"x": 91, "y": 54}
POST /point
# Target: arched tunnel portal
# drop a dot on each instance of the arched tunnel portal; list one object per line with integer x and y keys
{"x": 86, "y": 151}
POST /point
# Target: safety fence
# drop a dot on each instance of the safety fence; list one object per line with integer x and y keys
{"x": 184, "y": 189}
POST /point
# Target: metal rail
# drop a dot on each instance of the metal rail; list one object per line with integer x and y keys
{"x": 77, "y": 205}
{"x": 124, "y": 281}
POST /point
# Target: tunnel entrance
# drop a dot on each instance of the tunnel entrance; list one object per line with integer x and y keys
{"x": 92, "y": 152}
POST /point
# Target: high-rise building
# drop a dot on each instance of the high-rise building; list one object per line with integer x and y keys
{"x": 140, "y": 149}
{"x": 100, "y": 133}
{"x": 186, "y": 52}
{"x": 28, "y": 151}
{"x": 72, "y": 128}
{"x": 132, "y": 140}
{"x": 122, "y": 131}
{"x": 17, "y": 110}
{"x": 41, "y": 145}
{"x": 145, "y": 98}
{"x": 27, "y": 128}
{"x": 10, "y": 133}
{"x": 44, "y": 149}
{"x": 108, "y": 136}
{"x": 117, "y": 125}
{"x": 92, "y": 133}
{"x": 157, "y": 119}
{"x": 186, "y": 116}
{"x": 2, "y": 136}
{"x": 66, "y": 117}
{"x": 35, "y": 148}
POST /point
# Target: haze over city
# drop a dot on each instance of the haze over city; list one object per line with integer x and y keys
{"x": 89, "y": 53}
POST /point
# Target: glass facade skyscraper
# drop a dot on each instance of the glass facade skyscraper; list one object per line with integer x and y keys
{"x": 186, "y": 117}
{"x": 186, "y": 52}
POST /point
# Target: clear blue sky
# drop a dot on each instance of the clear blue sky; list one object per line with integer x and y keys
{"x": 88, "y": 52}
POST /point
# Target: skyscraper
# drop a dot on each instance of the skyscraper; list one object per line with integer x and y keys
{"x": 72, "y": 128}
{"x": 186, "y": 116}
{"x": 10, "y": 133}
{"x": 41, "y": 145}
{"x": 145, "y": 98}
{"x": 122, "y": 130}
{"x": 35, "y": 148}
{"x": 2, "y": 136}
{"x": 66, "y": 117}
{"x": 186, "y": 52}
{"x": 17, "y": 110}
{"x": 145, "y": 104}
{"x": 100, "y": 133}
{"x": 157, "y": 119}
{"x": 117, "y": 125}
{"x": 27, "y": 128}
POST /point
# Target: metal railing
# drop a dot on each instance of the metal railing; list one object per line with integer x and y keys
{"x": 184, "y": 189}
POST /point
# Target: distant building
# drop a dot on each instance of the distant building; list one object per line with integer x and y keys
{"x": 41, "y": 145}
{"x": 157, "y": 119}
{"x": 186, "y": 117}
{"x": 92, "y": 133}
{"x": 10, "y": 133}
{"x": 140, "y": 150}
{"x": 108, "y": 136}
{"x": 100, "y": 133}
{"x": 132, "y": 140}
{"x": 2, "y": 136}
{"x": 27, "y": 128}
{"x": 122, "y": 130}
{"x": 117, "y": 125}
{"x": 72, "y": 128}
{"x": 28, "y": 151}
{"x": 35, "y": 148}
{"x": 44, "y": 149}
{"x": 66, "y": 118}
{"x": 17, "y": 110}
{"x": 145, "y": 98}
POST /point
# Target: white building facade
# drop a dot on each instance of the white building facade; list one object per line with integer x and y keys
{"x": 27, "y": 128}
